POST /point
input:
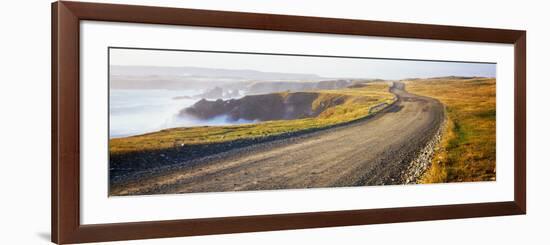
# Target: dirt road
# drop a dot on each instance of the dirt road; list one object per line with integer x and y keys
{"x": 369, "y": 152}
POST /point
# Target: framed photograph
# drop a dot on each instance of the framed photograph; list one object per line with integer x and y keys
{"x": 177, "y": 122}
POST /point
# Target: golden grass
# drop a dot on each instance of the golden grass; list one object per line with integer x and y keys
{"x": 467, "y": 150}
{"x": 358, "y": 102}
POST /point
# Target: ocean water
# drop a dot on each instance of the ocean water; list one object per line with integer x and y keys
{"x": 139, "y": 111}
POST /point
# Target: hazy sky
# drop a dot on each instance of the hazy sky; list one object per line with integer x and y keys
{"x": 322, "y": 66}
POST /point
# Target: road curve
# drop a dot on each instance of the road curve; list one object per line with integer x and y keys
{"x": 369, "y": 152}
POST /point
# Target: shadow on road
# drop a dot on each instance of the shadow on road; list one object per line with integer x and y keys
{"x": 395, "y": 109}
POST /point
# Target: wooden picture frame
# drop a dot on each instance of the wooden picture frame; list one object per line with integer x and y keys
{"x": 65, "y": 175}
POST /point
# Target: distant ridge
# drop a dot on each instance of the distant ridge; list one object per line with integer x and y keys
{"x": 187, "y": 71}
{"x": 447, "y": 77}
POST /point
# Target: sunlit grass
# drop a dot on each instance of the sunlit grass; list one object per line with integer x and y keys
{"x": 467, "y": 151}
{"x": 358, "y": 104}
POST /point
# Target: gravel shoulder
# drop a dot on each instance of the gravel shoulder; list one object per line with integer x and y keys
{"x": 375, "y": 151}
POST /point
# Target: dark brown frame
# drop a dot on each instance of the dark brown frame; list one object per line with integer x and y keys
{"x": 66, "y": 227}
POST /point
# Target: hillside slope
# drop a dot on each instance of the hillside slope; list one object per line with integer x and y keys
{"x": 468, "y": 147}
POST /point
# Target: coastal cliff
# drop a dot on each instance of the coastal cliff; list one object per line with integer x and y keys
{"x": 267, "y": 107}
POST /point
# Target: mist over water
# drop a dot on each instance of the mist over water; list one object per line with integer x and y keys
{"x": 139, "y": 111}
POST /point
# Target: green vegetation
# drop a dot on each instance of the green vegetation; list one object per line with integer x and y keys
{"x": 358, "y": 104}
{"x": 467, "y": 150}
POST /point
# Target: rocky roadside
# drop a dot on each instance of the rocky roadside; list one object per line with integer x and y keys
{"x": 423, "y": 161}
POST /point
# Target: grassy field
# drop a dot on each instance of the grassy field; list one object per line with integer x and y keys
{"x": 358, "y": 104}
{"x": 467, "y": 151}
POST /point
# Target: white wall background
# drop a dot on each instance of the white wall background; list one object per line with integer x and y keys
{"x": 25, "y": 121}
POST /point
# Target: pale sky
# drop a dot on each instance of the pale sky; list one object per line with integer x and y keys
{"x": 329, "y": 67}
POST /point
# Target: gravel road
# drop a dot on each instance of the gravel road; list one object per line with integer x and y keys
{"x": 375, "y": 151}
